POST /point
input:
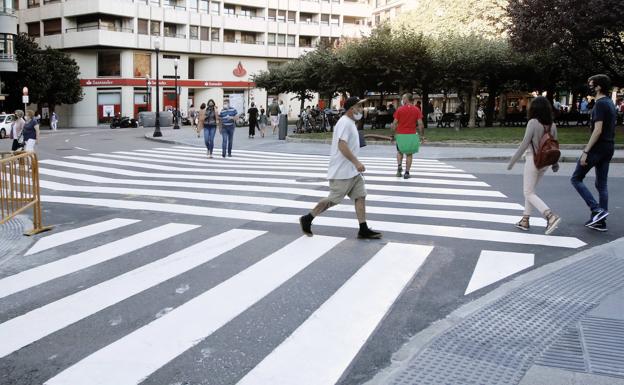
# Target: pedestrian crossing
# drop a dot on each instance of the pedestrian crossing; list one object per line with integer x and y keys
{"x": 331, "y": 330}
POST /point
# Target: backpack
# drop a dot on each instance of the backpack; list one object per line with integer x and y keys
{"x": 548, "y": 151}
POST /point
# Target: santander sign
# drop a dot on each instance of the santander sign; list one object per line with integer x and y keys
{"x": 239, "y": 71}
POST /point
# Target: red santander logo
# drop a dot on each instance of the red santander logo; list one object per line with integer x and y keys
{"x": 239, "y": 71}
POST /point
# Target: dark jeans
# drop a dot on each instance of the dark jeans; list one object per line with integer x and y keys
{"x": 599, "y": 159}
{"x": 227, "y": 134}
{"x": 209, "y": 134}
{"x": 253, "y": 124}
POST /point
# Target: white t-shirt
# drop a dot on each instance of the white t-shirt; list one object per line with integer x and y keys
{"x": 339, "y": 166}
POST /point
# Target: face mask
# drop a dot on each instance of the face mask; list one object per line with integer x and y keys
{"x": 357, "y": 116}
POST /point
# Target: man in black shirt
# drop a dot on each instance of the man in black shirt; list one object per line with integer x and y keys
{"x": 598, "y": 153}
{"x": 253, "y": 120}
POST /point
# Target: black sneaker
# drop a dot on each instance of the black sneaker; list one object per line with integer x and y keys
{"x": 306, "y": 225}
{"x": 399, "y": 172}
{"x": 599, "y": 226}
{"x": 369, "y": 234}
{"x": 597, "y": 216}
{"x": 406, "y": 175}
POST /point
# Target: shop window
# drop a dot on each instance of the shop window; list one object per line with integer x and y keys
{"x": 109, "y": 105}
{"x": 109, "y": 64}
{"x": 34, "y": 29}
{"x": 142, "y": 64}
{"x": 52, "y": 27}
{"x": 143, "y": 27}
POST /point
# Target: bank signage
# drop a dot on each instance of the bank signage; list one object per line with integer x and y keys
{"x": 163, "y": 83}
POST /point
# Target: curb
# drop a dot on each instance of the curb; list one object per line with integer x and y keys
{"x": 423, "y": 339}
{"x": 564, "y": 159}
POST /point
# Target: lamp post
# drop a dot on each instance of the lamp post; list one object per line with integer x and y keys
{"x": 157, "y": 132}
{"x": 147, "y": 90}
{"x": 176, "y": 126}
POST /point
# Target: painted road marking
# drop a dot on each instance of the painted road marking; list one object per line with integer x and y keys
{"x": 493, "y": 266}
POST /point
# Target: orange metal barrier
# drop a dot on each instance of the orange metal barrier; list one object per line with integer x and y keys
{"x": 19, "y": 188}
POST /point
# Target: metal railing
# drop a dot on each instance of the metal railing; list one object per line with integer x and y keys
{"x": 101, "y": 27}
{"x": 19, "y": 188}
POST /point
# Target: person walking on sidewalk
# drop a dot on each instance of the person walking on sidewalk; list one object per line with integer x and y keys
{"x": 263, "y": 121}
{"x": 274, "y": 112}
{"x": 344, "y": 172}
{"x": 540, "y": 121}
{"x": 30, "y": 131}
{"x": 253, "y": 120}
{"x": 227, "y": 116}
{"x": 54, "y": 121}
{"x": 210, "y": 121}
{"x": 407, "y": 119}
{"x": 598, "y": 153}
{"x": 201, "y": 114}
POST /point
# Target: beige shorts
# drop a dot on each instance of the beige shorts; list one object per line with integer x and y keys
{"x": 339, "y": 188}
{"x": 274, "y": 120}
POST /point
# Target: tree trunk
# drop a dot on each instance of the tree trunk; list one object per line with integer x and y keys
{"x": 491, "y": 105}
{"x": 502, "y": 112}
{"x": 473, "y": 104}
{"x": 444, "y": 103}
{"x": 425, "y": 105}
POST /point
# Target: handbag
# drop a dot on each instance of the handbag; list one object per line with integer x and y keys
{"x": 16, "y": 142}
{"x": 408, "y": 143}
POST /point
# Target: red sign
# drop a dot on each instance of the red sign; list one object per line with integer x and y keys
{"x": 239, "y": 71}
{"x": 163, "y": 83}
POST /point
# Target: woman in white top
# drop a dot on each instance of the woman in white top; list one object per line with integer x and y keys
{"x": 540, "y": 120}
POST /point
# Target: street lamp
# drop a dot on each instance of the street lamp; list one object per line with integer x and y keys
{"x": 176, "y": 126}
{"x": 157, "y": 132}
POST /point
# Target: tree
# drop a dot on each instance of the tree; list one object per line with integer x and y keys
{"x": 590, "y": 33}
{"x": 51, "y": 76}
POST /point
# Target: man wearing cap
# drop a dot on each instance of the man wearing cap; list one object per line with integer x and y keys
{"x": 344, "y": 172}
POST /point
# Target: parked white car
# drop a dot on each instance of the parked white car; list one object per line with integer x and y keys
{"x": 6, "y": 120}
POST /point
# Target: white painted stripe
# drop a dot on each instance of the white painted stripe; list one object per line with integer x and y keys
{"x": 278, "y": 202}
{"x": 131, "y": 359}
{"x": 34, "y": 325}
{"x": 493, "y": 266}
{"x": 386, "y": 162}
{"x": 321, "y": 349}
{"x": 285, "y": 190}
{"x": 78, "y": 233}
{"x": 150, "y": 166}
{"x": 44, "y": 273}
{"x": 200, "y": 160}
{"x": 396, "y": 227}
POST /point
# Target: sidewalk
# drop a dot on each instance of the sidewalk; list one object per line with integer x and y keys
{"x": 559, "y": 324}
{"x": 187, "y": 136}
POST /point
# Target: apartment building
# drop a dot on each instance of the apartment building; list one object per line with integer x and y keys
{"x": 218, "y": 45}
{"x": 384, "y": 10}
{"x": 8, "y": 30}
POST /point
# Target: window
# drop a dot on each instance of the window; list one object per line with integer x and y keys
{"x": 248, "y": 37}
{"x": 33, "y": 3}
{"x": 34, "y": 29}
{"x": 281, "y": 39}
{"x": 143, "y": 26}
{"x": 335, "y": 19}
{"x": 305, "y": 41}
{"x": 203, "y": 6}
{"x": 229, "y": 9}
{"x": 324, "y": 19}
{"x": 6, "y": 45}
{"x": 292, "y": 16}
{"x": 191, "y": 68}
{"x": 155, "y": 28}
{"x": 290, "y": 40}
{"x": 194, "y": 32}
{"x": 281, "y": 16}
{"x": 142, "y": 64}
{"x": 204, "y": 33}
{"x": 215, "y": 8}
{"x": 272, "y": 14}
{"x": 109, "y": 64}
{"x": 229, "y": 36}
{"x": 306, "y": 18}
{"x": 193, "y": 5}
{"x": 52, "y": 27}
{"x": 271, "y": 39}
{"x": 109, "y": 104}
{"x": 245, "y": 12}
{"x": 214, "y": 34}
{"x": 170, "y": 30}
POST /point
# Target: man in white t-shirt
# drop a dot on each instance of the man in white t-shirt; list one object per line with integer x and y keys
{"x": 345, "y": 172}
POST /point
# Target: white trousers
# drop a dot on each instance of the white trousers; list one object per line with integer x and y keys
{"x": 531, "y": 178}
{"x": 54, "y": 125}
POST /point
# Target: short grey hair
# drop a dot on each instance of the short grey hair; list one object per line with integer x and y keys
{"x": 19, "y": 113}
{"x": 409, "y": 96}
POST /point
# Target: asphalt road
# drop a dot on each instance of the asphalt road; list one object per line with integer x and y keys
{"x": 252, "y": 301}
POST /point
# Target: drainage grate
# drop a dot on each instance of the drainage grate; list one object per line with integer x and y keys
{"x": 498, "y": 344}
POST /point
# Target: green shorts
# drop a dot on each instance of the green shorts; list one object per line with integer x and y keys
{"x": 339, "y": 188}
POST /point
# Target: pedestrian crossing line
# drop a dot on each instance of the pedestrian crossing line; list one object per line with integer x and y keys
{"x": 68, "y": 236}
{"x": 493, "y": 266}
{"x": 212, "y": 178}
{"x": 320, "y": 350}
{"x": 49, "y": 271}
{"x": 202, "y": 160}
{"x": 286, "y": 190}
{"x": 292, "y": 155}
{"x": 456, "y": 232}
{"x": 132, "y": 358}
{"x": 279, "y": 202}
{"x": 36, "y": 324}
{"x": 294, "y": 162}
{"x": 248, "y": 172}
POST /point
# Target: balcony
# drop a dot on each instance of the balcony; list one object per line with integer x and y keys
{"x": 98, "y": 26}
{"x": 8, "y": 63}
{"x": 89, "y": 36}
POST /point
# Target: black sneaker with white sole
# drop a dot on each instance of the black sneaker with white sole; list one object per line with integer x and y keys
{"x": 599, "y": 226}
{"x": 597, "y": 216}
